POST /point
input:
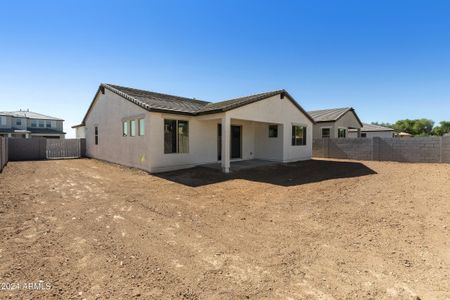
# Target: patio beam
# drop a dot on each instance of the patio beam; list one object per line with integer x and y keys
{"x": 226, "y": 146}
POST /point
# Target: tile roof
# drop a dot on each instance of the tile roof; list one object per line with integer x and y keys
{"x": 160, "y": 101}
{"x": 328, "y": 115}
{"x": 152, "y": 101}
{"x": 373, "y": 127}
{"x": 237, "y": 102}
{"x": 28, "y": 114}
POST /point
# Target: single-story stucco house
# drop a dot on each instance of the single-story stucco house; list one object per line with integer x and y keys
{"x": 371, "y": 131}
{"x": 335, "y": 122}
{"x": 159, "y": 132}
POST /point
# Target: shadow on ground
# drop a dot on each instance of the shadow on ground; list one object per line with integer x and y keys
{"x": 290, "y": 174}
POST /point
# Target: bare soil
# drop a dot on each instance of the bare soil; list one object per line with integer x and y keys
{"x": 311, "y": 230}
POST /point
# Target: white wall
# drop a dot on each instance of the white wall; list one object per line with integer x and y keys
{"x": 108, "y": 113}
{"x": 268, "y": 148}
{"x": 80, "y": 132}
{"x": 280, "y": 111}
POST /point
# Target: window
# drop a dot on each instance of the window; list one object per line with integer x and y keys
{"x": 363, "y": 135}
{"x": 33, "y": 123}
{"x": 48, "y": 124}
{"x": 326, "y": 133}
{"x": 273, "y": 131}
{"x": 133, "y": 128}
{"x": 41, "y": 123}
{"x": 298, "y": 135}
{"x": 18, "y": 122}
{"x": 3, "y": 121}
{"x": 342, "y": 133}
{"x": 96, "y": 135}
{"x": 176, "y": 136}
{"x": 125, "y": 128}
{"x": 53, "y": 124}
{"x": 141, "y": 125}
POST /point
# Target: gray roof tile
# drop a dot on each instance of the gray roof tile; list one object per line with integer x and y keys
{"x": 29, "y": 115}
{"x": 328, "y": 115}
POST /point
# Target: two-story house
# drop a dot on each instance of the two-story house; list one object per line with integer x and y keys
{"x": 27, "y": 124}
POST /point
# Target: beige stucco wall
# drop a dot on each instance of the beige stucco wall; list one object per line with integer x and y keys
{"x": 80, "y": 132}
{"x": 275, "y": 110}
{"x": 348, "y": 120}
{"x": 108, "y": 113}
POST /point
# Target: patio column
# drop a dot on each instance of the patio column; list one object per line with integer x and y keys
{"x": 226, "y": 127}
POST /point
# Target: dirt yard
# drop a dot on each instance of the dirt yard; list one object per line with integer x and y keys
{"x": 311, "y": 230}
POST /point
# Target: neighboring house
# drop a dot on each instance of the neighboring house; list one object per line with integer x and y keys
{"x": 158, "y": 132}
{"x": 335, "y": 122}
{"x": 403, "y": 135}
{"x": 26, "y": 124}
{"x": 371, "y": 131}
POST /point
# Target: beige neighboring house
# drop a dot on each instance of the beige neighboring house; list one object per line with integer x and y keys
{"x": 371, "y": 131}
{"x": 335, "y": 122}
{"x": 28, "y": 124}
{"x": 159, "y": 132}
{"x": 403, "y": 135}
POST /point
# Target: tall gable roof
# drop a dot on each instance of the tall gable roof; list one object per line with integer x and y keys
{"x": 332, "y": 114}
{"x": 159, "y": 102}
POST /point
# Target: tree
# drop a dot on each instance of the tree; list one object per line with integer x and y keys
{"x": 415, "y": 127}
{"x": 443, "y": 128}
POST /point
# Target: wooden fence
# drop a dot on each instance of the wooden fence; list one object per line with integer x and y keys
{"x": 41, "y": 148}
{"x": 3, "y": 152}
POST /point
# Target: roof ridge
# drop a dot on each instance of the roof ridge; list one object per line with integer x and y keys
{"x": 156, "y": 93}
{"x": 251, "y": 95}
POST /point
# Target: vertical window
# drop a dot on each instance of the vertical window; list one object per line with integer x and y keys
{"x": 133, "y": 128}
{"x": 19, "y": 122}
{"x": 53, "y": 124}
{"x": 141, "y": 124}
{"x": 273, "y": 131}
{"x": 298, "y": 135}
{"x": 342, "y": 133}
{"x": 48, "y": 124}
{"x": 170, "y": 136}
{"x": 176, "y": 136}
{"x": 326, "y": 133}
{"x": 3, "y": 121}
{"x": 41, "y": 123}
{"x": 33, "y": 123}
{"x": 96, "y": 135}
{"x": 363, "y": 135}
{"x": 125, "y": 128}
{"x": 183, "y": 137}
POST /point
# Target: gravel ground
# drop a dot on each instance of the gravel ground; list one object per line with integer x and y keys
{"x": 311, "y": 230}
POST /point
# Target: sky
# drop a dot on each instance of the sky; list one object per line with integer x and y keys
{"x": 389, "y": 60}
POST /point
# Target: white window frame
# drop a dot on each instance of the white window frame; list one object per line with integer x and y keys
{"x": 133, "y": 128}
{"x": 125, "y": 128}
{"x": 139, "y": 126}
{"x": 346, "y": 132}
{"x": 325, "y": 127}
{"x": 306, "y": 133}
